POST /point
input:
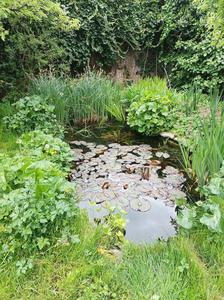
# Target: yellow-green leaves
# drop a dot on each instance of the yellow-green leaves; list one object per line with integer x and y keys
{"x": 35, "y": 11}
{"x": 214, "y": 9}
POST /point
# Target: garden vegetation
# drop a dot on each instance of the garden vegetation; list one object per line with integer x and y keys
{"x": 56, "y": 75}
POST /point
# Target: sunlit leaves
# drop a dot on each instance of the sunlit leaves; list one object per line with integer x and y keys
{"x": 35, "y": 11}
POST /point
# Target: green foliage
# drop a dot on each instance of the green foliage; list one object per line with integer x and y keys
{"x": 214, "y": 10}
{"x": 91, "y": 98}
{"x": 33, "y": 113}
{"x": 34, "y": 10}
{"x": 6, "y": 109}
{"x": 187, "y": 51}
{"x": 117, "y": 111}
{"x": 114, "y": 225}
{"x": 46, "y": 146}
{"x": 56, "y": 91}
{"x": 197, "y": 62}
{"x": 37, "y": 205}
{"x": 208, "y": 214}
{"x": 215, "y": 186}
{"x": 152, "y": 106}
{"x": 192, "y": 107}
{"x": 109, "y": 29}
{"x": 30, "y": 40}
{"x": 206, "y": 155}
{"x": 38, "y": 214}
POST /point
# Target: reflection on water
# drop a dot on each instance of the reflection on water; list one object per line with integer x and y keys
{"x": 142, "y": 178}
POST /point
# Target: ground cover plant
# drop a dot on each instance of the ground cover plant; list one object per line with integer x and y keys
{"x": 33, "y": 113}
{"x": 37, "y": 202}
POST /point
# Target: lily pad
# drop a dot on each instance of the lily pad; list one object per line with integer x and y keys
{"x": 141, "y": 204}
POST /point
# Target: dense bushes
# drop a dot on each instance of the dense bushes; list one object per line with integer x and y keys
{"x": 37, "y": 205}
{"x": 197, "y": 62}
{"x": 175, "y": 33}
{"x": 109, "y": 29}
{"x": 187, "y": 50}
{"x": 33, "y": 113}
{"x": 152, "y": 106}
{"x": 30, "y": 39}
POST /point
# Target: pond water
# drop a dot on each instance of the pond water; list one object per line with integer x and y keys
{"x": 130, "y": 172}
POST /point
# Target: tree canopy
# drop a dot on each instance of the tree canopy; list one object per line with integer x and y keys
{"x": 11, "y": 12}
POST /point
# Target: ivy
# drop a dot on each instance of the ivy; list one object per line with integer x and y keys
{"x": 109, "y": 29}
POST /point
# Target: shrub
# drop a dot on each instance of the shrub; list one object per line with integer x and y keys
{"x": 33, "y": 113}
{"x": 152, "y": 106}
{"x": 38, "y": 214}
{"x": 197, "y": 62}
{"x": 37, "y": 203}
{"x": 47, "y": 147}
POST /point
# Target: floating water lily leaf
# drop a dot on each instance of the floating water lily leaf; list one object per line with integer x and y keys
{"x": 140, "y": 204}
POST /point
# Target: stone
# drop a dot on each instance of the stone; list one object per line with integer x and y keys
{"x": 169, "y": 135}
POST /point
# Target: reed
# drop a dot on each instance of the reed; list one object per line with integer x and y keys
{"x": 206, "y": 155}
{"x": 54, "y": 90}
{"x": 93, "y": 98}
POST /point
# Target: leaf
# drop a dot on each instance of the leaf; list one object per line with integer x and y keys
{"x": 186, "y": 217}
{"x": 3, "y": 182}
{"x": 213, "y": 218}
{"x": 42, "y": 242}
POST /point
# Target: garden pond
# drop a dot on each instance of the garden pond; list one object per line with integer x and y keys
{"x": 140, "y": 175}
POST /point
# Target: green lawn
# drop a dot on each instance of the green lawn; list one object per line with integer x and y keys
{"x": 188, "y": 268}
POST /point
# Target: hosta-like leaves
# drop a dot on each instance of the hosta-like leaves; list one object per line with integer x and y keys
{"x": 186, "y": 218}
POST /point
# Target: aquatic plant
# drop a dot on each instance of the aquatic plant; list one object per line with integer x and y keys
{"x": 55, "y": 90}
{"x": 117, "y": 111}
{"x": 204, "y": 213}
{"x": 204, "y": 158}
{"x": 92, "y": 98}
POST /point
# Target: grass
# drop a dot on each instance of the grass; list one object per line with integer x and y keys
{"x": 7, "y": 138}
{"x": 187, "y": 267}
